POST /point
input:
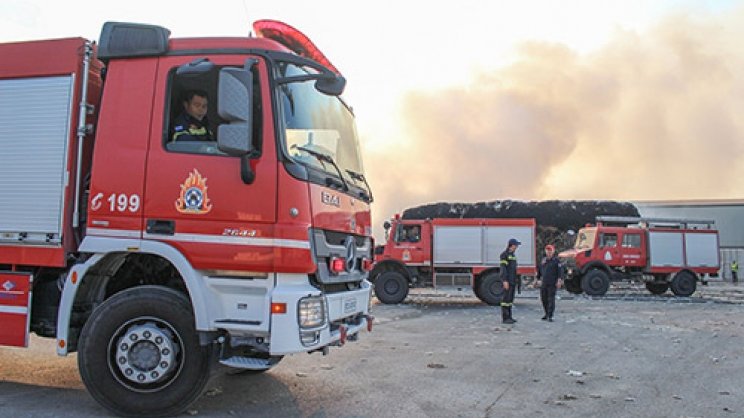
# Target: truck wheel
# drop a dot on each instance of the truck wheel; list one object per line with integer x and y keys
{"x": 657, "y": 288}
{"x": 476, "y": 289}
{"x": 573, "y": 286}
{"x": 684, "y": 284}
{"x": 595, "y": 283}
{"x": 490, "y": 289}
{"x": 391, "y": 287}
{"x": 139, "y": 353}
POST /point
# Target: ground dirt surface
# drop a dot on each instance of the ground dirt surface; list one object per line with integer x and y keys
{"x": 628, "y": 354}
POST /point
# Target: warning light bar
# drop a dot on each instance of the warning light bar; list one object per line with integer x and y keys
{"x": 293, "y": 39}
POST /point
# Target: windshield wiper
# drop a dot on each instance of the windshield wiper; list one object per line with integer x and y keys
{"x": 323, "y": 158}
{"x": 359, "y": 176}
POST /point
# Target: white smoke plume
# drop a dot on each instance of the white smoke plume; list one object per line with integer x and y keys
{"x": 654, "y": 115}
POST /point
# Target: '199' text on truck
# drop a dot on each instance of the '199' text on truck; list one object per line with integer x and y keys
{"x": 154, "y": 258}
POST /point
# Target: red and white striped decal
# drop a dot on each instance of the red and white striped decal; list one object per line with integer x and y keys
{"x": 204, "y": 238}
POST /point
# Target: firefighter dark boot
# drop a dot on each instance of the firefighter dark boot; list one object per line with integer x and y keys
{"x": 510, "y": 315}
{"x": 506, "y": 315}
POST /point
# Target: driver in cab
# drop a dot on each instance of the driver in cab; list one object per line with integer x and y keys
{"x": 192, "y": 124}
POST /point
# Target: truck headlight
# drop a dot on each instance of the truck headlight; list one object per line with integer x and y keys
{"x": 311, "y": 312}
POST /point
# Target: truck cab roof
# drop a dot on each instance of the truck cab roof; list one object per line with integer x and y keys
{"x": 129, "y": 40}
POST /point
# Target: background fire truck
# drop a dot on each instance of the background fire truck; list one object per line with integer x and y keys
{"x": 663, "y": 253}
{"x": 449, "y": 254}
{"x": 153, "y": 258}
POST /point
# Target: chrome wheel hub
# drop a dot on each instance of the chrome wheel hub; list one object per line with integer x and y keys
{"x": 146, "y": 353}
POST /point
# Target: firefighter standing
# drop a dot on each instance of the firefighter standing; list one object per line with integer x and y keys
{"x": 509, "y": 280}
{"x": 550, "y": 272}
{"x": 734, "y": 271}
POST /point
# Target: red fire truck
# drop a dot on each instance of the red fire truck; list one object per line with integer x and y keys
{"x": 150, "y": 257}
{"x": 663, "y": 253}
{"x": 449, "y": 254}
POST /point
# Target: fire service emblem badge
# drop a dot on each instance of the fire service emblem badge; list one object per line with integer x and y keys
{"x": 193, "y": 198}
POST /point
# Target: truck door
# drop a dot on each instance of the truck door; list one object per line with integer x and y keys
{"x": 631, "y": 250}
{"x": 195, "y": 198}
{"x": 409, "y": 242}
{"x": 608, "y": 247}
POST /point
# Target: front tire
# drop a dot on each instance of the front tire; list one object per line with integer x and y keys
{"x": 139, "y": 353}
{"x": 595, "y": 283}
{"x": 391, "y": 287}
{"x": 490, "y": 289}
{"x": 684, "y": 283}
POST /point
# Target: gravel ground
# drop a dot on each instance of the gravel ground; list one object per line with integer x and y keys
{"x": 447, "y": 355}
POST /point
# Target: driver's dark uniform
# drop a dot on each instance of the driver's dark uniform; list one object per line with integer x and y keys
{"x": 188, "y": 128}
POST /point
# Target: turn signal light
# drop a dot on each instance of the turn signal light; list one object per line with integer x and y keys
{"x": 338, "y": 265}
{"x": 278, "y": 308}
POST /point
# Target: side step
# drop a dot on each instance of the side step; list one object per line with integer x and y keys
{"x": 250, "y": 363}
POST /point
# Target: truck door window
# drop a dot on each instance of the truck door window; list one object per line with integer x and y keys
{"x": 191, "y": 119}
{"x": 585, "y": 239}
{"x": 632, "y": 241}
{"x": 608, "y": 240}
{"x": 408, "y": 233}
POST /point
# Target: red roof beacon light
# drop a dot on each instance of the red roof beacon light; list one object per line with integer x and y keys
{"x": 292, "y": 39}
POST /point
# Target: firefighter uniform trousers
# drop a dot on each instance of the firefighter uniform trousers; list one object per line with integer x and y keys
{"x": 507, "y": 301}
{"x": 547, "y": 296}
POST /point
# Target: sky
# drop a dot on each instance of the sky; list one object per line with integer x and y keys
{"x": 484, "y": 100}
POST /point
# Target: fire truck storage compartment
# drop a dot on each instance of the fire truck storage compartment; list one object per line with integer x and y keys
{"x": 458, "y": 245}
{"x": 35, "y": 118}
{"x": 683, "y": 249}
{"x": 498, "y": 236}
{"x": 474, "y": 245}
{"x": 702, "y": 249}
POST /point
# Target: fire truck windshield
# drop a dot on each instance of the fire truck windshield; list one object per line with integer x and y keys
{"x": 315, "y": 123}
{"x": 585, "y": 238}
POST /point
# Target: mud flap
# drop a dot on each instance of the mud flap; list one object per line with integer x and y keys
{"x": 15, "y": 308}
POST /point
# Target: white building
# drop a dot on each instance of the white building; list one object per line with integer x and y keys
{"x": 727, "y": 214}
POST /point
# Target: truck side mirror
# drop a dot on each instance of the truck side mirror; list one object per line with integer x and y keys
{"x": 386, "y": 225}
{"x": 332, "y": 86}
{"x": 235, "y": 93}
